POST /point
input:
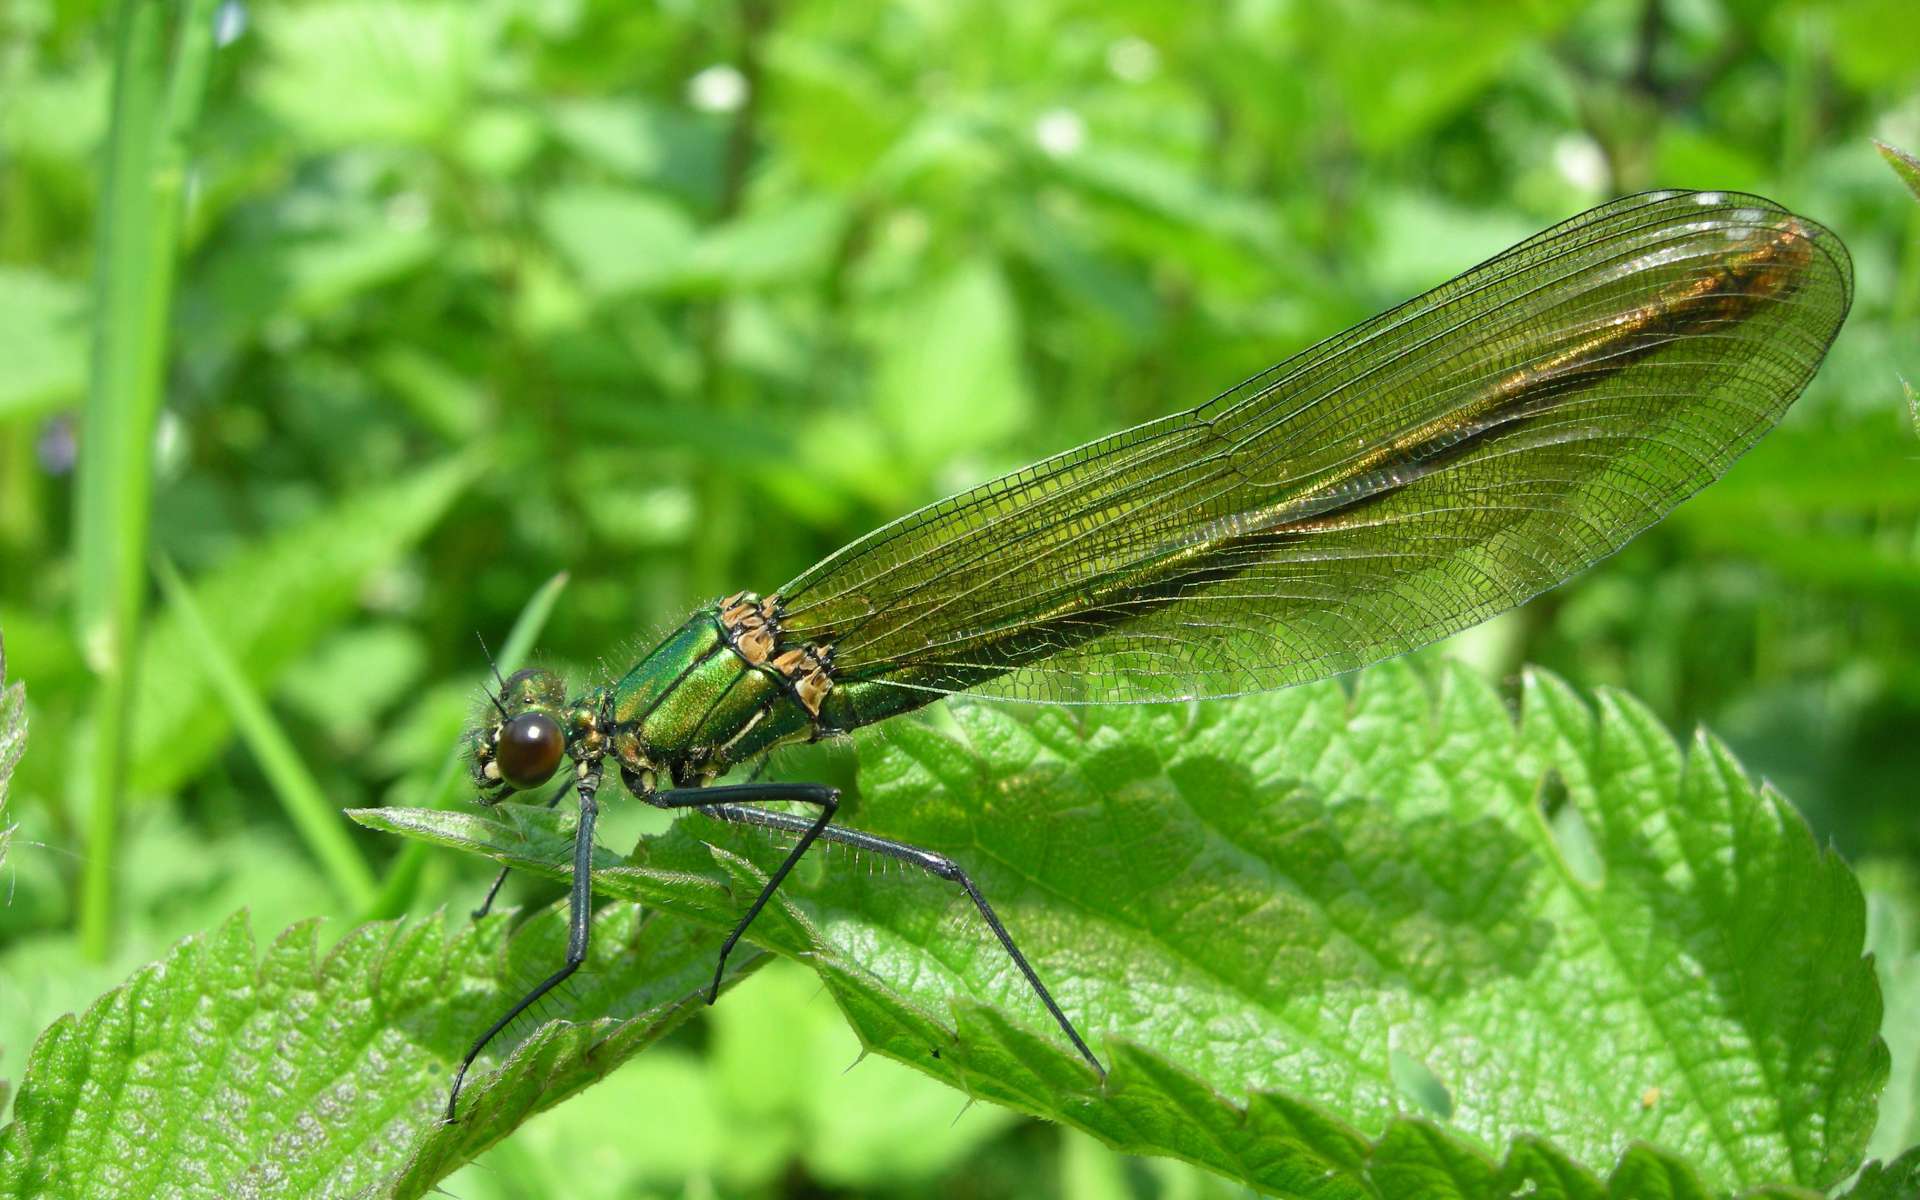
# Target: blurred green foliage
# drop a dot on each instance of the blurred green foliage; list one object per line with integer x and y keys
{"x": 678, "y": 297}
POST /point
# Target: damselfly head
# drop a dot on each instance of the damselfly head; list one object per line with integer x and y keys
{"x": 524, "y": 744}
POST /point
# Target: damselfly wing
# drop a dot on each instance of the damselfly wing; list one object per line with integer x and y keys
{"x": 1402, "y": 481}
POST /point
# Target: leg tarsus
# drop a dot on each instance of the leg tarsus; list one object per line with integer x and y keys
{"x": 493, "y": 890}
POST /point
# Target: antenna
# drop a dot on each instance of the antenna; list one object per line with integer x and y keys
{"x": 495, "y": 668}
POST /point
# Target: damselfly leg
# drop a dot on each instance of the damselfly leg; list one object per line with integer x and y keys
{"x": 579, "y": 926}
{"x": 493, "y": 890}
{"x": 729, "y": 803}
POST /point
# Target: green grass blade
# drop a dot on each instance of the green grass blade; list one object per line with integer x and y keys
{"x": 316, "y": 820}
{"x": 272, "y": 602}
{"x": 397, "y": 891}
{"x": 157, "y": 92}
{"x": 529, "y": 624}
{"x": 13, "y": 740}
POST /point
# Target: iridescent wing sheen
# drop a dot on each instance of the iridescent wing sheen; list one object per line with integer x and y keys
{"x": 1408, "y": 478}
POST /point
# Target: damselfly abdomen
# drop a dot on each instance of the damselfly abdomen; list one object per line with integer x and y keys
{"x": 1410, "y": 477}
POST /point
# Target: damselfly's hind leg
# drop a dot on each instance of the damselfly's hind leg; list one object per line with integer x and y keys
{"x": 729, "y": 803}
{"x": 725, "y": 796}
{"x": 579, "y": 927}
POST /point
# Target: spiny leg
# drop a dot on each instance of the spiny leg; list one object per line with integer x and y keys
{"x": 719, "y": 803}
{"x": 579, "y": 927}
{"x": 486, "y": 905}
{"x": 725, "y": 795}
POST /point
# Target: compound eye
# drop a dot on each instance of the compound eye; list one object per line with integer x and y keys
{"x": 529, "y": 749}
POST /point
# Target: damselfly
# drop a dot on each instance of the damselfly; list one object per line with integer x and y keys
{"x": 1410, "y": 477}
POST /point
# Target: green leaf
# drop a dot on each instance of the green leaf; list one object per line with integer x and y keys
{"x": 218, "y": 1072}
{"x": 1893, "y": 936}
{"x": 1256, "y": 909}
{"x": 791, "y": 241}
{"x": 1897, "y": 1180}
{"x": 1172, "y": 192}
{"x": 950, "y": 378}
{"x": 271, "y": 602}
{"x": 837, "y": 117}
{"x": 42, "y": 341}
{"x": 643, "y": 140}
{"x": 776, "y": 1078}
{"x": 1403, "y": 68}
{"x": 1905, "y": 165}
{"x": 352, "y": 72}
{"x": 289, "y": 272}
{"x": 618, "y": 240}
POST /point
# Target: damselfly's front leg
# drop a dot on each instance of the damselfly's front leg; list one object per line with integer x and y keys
{"x": 486, "y": 905}
{"x": 579, "y": 926}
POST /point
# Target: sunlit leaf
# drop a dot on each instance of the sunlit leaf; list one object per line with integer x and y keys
{"x": 1893, "y": 935}
{"x": 1897, "y": 1180}
{"x": 949, "y": 376}
{"x": 349, "y": 71}
{"x": 617, "y": 240}
{"x": 43, "y": 341}
{"x": 218, "y": 1072}
{"x": 645, "y": 141}
{"x": 1255, "y": 908}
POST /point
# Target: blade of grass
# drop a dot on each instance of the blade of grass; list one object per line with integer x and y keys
{"x": 13, "y": 740}
{"x": 156, "y": 102}
{"x": 403, "y": 877}
{"x": 300, "y": 795}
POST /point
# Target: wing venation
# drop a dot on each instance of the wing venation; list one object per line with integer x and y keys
{"x": 1401, "y": 481}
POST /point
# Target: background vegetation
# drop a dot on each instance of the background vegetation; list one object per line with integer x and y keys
{"x": 676, "y": 298}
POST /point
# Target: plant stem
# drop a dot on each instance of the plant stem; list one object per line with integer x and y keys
{"x": 156, "y": 102}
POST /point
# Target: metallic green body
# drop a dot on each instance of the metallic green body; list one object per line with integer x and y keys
{"x": 694, "y": 706}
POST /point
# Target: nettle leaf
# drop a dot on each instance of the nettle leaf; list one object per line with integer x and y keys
{"x": 1893, "y": 936}
{"x": 219, "y": 1073}
{"x": 1905, "y": 165}
{"x": 1897, "y": 1180}
{"x": 1389, "y": 943}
